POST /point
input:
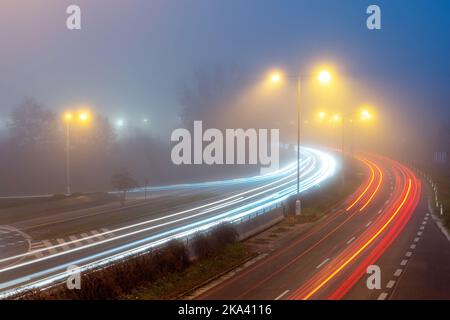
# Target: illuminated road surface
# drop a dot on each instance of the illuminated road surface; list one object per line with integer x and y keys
{"x": 330, "y": 260}
{"x": 142, "y": 226}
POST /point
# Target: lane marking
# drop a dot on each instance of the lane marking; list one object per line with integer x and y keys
{"x": 379, "y": 211}
{"x": 373, "y": 238}
{"x": 282, "y": 295}
{"x": 73, "y": 238}
{"x": 382, "y": 296}
{"x": 97, "y": 234}
{"x": 325, "y": 261}
{"x": 107, "y": 232}
{"x": 422, "y": 227}
{"x": 390, "y": 284}
{"x": 416, "y": 239}
{"x": 49, "y": 245}
{"x": 86, "y": 238}
{"x": 61, "y": 242}
{"x": 424, "y": 223}
{"x": 419, "y": 233}
{"x": 368, "y": 224}
{"x": 350, "y": 241}
{"x": 413, "y": 246}
{"x": 404, "y": 262}
{"x": 408, "y": 254}
{"x": 398, "y": 272}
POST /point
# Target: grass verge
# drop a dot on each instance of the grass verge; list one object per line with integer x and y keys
{"x": 175, "y": 284}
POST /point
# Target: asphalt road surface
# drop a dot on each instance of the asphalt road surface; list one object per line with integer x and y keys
{"x": 37, "y": 250}
{"x": 386, "y": 223}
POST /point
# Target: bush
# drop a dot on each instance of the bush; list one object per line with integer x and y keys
{"x": 207, "y": 245}
{"x": 124, "y": 276}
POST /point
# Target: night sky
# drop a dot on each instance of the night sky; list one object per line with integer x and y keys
{"x": 132, "y": 57}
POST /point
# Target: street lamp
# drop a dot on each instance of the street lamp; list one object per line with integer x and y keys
{"x": 68, "y": 117}
{"x": 82, "y": 117}
{"x": 324, "y": 77}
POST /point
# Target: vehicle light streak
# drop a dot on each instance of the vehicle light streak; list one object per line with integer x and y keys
{"x": 380, "y": 180}
{"x": 384, "y": 244}
{"x": 364, "y": 246}
{"x": 372, "y": 177}
{"x": 318, "y": 167}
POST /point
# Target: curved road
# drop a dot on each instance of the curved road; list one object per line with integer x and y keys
{"x": 50, "y": 244}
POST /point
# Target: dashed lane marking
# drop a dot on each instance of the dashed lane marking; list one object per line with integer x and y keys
{"x": 382, "y": 296}
{"x": 323, "y": 263}
{"x": 398, "y": 272}
{"x": 282, "y": 295}
{"x": 390, "y": 284}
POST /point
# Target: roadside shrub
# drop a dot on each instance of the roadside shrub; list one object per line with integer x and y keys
{"x": 202, "y": 246}
{"x": 222, "y": 235}
{"x": 172, "y": 258}
{"x": 206, "y": 245}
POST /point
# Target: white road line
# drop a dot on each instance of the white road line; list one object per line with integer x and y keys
{"x": 85, "y": 237}
{"x": 426, "y": 218}
{"x": 282, "y": 295}
{"x": 350, "y": 241}
{"x": 387, "y": 201}
{"x": 422, "y": 227}
{"x": 424, "y": 223}
{"x": 419, "y": 233}
{"x": 368, "y": 224}
{"x": 379, "y": 211}
{"x": 408, "y": 254}
{"x": 416, "y": 239}
{"x": 95, "y": 232}
{"x": 390, "y": 284}
{"x": 109, "y": 234}
{"x": 382, "y": 296}
{"x": 73, "y": 238}
{"x": 325, "y": 261}
{"x": 427, "y": 214}
{"x": 398, "y": 272}
{"x": 49, "y": 245}
{"x": 404, "y": 262}
{"x": 413, "y": 246}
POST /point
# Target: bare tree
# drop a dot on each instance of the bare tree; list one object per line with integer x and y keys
{"x": 123, "y": 181}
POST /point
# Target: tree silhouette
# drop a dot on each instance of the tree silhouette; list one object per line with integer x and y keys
{"x": 123, "y": 181}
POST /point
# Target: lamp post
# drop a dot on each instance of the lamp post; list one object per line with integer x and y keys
{"x": 68, "y": 118}
{"x": 82, "y": 117}
{"x": 324, "y": 77}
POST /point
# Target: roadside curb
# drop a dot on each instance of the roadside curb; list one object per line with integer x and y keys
{"x": 438, "y": 220}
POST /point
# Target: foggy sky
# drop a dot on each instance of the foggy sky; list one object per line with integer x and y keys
{"x": 132, "y": 58}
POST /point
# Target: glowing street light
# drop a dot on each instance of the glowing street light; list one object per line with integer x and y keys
{"x": 336, "y": 118}
{"x": 366, "y": 115}
{"x": 120, "y": 123}
{"x": 275, "y": 78}
{"x": 322, "y": 115}
{"x": 82, "y": 117}
{"x": 324, "y": 77}
{"x": 68, "y": 116}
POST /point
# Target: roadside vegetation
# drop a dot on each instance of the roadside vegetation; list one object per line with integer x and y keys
{"x": 163, "y": 273}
